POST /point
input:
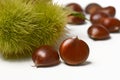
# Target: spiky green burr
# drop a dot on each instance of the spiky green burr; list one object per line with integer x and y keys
{"x": 36, "y": 1}
{"x": 24, "y": 27}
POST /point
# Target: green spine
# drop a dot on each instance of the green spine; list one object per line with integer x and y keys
{"x": 24, "y": 27}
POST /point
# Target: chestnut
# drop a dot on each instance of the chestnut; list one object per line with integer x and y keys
{"x": 45, "y": 56}
{"x": 112, "y": 24}
{"x": 74, "y": 51}
{"x": 92, "y": 8}
{"x": 98, "y": 32}
{"x": 110, "y": 10}
{"x": 74, "y": 7}
{"x": 97, "y": 17}
{"x": 71, "y": 19}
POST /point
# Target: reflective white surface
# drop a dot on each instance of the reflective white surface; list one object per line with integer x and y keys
{"x": 102, "y": 64}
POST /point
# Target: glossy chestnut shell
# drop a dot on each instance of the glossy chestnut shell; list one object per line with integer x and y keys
{"x": 98, "y": 32}
{"x": 45, "y": 56}
{"x": 92, "y": 8}
{"x": 97, "y": 17}
{"x": 75, "y": 7}
{"x": 74, "y": 51}
{"x": 112, "y": 24}
{"x": 75, "y": 20}
{"x": 110, "y": 10}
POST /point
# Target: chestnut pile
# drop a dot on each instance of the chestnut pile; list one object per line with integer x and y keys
{"x": 103, "y": 21}
{"x": 102, "y": 18}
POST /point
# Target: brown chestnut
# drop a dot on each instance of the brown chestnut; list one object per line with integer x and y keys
{"x": 92, "y": 8}
{"x": 97, "y": 17}
{"x": 98, "y": 32}
{"x": 75, "y": 20}
{"x": 110, "y": 10}
{"x": 45, "y": 56}
{"x": 74, "y": 7}
{"x": 112, "y": 24}
{"x": 74, "y": 51}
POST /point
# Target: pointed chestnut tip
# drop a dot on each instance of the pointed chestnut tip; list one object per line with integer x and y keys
{"x": 75, "y": 38}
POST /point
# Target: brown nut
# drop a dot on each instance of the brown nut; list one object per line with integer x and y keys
{"x": 98, "y": 32}
{"x": 110, "y": 10}
{"x": 75, "y": 20}
{"x": 45, "y": 56}
{"x": 75, "y": 7}
{"x": 92, "y": 8}
{"x": 112, "y": 24}
{"x": 74, "y": 51}
{"x": 97, "y": 17}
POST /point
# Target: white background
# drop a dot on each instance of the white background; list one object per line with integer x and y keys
{"x": 103, "y": 62}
